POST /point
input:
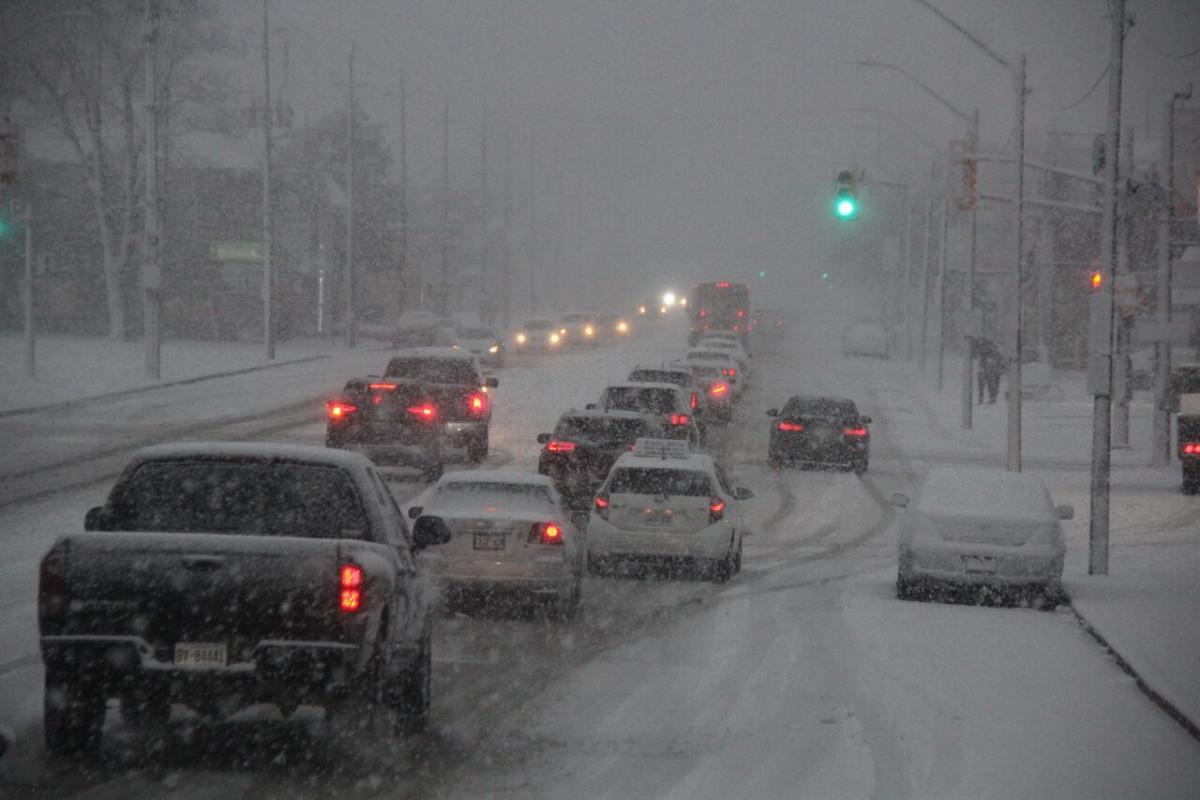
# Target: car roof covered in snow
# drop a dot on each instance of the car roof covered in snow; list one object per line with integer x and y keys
{"x": 495, "y": 476}
{"x": 675, "y": 366}
{"x": 640, "y": 385}
{"x": 694, "y": 461}
{"x": 984, "y": 492}
{"x": 609, "y": 413}
{"x": 701, "y": 354}
{"x": 253, "y": 451}
{"x": 432, "y": 352}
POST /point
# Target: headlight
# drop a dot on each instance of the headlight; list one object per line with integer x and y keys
{"x": 522, "y": 338}
{"x": 453, "y": 347}
{"x": 588, "y": 330}
{"x": 641, "y": 309}
{"x": 555, "y": 338}
{"x": 622, "y": 327}
{"x": 562, "y": 331}
{"x": 662, "y": 310}
{"x": 668, "y": 298}
{"x": 496, "y": 348}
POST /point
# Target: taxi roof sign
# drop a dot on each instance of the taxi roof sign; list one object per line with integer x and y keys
{"x": 661, "y": 448}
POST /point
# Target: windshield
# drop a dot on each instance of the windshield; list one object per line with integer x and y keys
{"x": 927, "y": 234}
{"x": 658, "y": 481}
{"x": 434, "y": 370}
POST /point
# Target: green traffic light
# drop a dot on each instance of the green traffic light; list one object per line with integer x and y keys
{"x": 824, "y": 276}
{"x": 762, "y": 273}
{"x": 846, "y": 207}
{"x": 3, "y": 228}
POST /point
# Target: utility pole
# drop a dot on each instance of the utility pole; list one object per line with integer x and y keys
{"x": 928, "y": 267}
{"x": 27, "y": 294}
{"x": 1014, "y": 365}
{"x": 1122, "y": 392}
{"x": 942, "y": 274}
{"x": 151, "y": 268}
{"x": 444, "y": 285}
{"x": 532, "y": 224}
{"x": 506, "y": 269}
{"x": 351, "y": 322}
{"x": 1103, "y": 310}
{"x": 1161, "y": 451}
{"x": 268, "y": 275}
{"x": 484, "y": 302}
{"x": 968, "y": 389}
{"x": 404, "y": 276}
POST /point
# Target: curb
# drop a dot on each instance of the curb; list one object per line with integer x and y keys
{"x": 1165, "y": 705}
{"x": 12, "y": 412}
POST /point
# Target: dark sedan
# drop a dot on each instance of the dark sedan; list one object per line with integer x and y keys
{"x": 584, "y": 445}
{"x": 820, "y": 432}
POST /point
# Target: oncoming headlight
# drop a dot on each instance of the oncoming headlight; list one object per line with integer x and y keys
{"x": 496, "y": 348}
{"x": 555, "y": 338}
{"x": 522, "y": 338}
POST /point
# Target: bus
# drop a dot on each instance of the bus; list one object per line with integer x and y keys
{"x": 719, "y": 306}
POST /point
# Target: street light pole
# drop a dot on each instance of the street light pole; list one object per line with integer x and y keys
{"x": 268, "y": 275}
{"x": 151, "y": 269}
{"x": 968, "y": 363}
{"x": 351, "y": 322}
{"x": 1102, "y": 405}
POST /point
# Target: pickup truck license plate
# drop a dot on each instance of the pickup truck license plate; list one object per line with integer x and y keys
{"x": 194, "y": 654}
{"x": 979, "y": 565}
{"x": 489, "y": 541}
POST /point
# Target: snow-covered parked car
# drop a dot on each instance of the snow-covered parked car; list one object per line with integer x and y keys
{"x": 220, "y": 575}
{"x": 980, "y": 526}
{"x": 508, "y": 532}
{"x": 664, "y": 504}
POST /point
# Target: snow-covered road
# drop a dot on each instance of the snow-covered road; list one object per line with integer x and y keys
{"x": 802, "y": 677}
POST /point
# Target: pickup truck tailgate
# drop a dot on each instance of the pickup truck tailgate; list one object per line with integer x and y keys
{"x": 194, "y": 587}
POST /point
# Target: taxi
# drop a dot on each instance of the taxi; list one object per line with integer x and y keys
{"x": 664, "y": 504}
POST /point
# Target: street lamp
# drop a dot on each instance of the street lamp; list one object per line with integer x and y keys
{"x": 1014, "y": 366}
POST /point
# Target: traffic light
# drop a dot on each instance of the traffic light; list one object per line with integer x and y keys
{"x": 5, "y": 226}
{"x": 1096, "y": 280}
{"x": 845, "y": 204}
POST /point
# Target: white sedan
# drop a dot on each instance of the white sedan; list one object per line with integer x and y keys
{"x": 979, "y": 525}
{"x": 508, "y": 534}
{"x": 664, "y": 504}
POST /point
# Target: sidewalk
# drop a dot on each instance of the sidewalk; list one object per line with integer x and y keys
{"x": 71, "y": 368}
{"x": 1146, "y": 609}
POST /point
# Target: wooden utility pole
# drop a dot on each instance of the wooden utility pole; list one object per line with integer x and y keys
{"x": 268, "y": 275}
{"x": 351, "y": 323}
{"x": 404, "y": 277}
{"x": 443, "y": 303}
{"x": 151, "y": 268}
{"x": 484, "y": 303}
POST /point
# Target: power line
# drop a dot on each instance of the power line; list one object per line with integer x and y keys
{"x": 1086, "y": 94}
{"x": 1164, "y": 53}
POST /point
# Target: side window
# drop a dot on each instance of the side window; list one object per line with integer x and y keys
{"x": 723, "y": 480}
{"x": 391, "y": 511}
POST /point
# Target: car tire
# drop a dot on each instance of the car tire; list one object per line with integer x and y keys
{"x": 477, "y": 451}
{"x": 860, "y": 467}
{"x": 411, "y": 694}
{"x": 721, "y": 570}
{"x": 1191, "y": 477}
{"x": 73, "y": 715}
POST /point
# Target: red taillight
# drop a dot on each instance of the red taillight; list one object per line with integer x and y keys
{"x": 716, "y": 509}
{"x": 737, "y": 328}
{"x": 729, "y": 372}
{"x": 791, "y": 427}
{"x": 703, "y": 313}
{"x": 546, "y": 533}
{"x": 477, "y": 403}
{"x": 1191, "y": 449}
{"x": 679, "y": 419}
{"x": 557, "y": 446}
{"x": 350, "y": 581}
{"x": 723, "y": 284}
{"x": 602, "y": 505}
{"x": 336, "y": 409}
{"x": 718, "y": 389}
{"x": 741, "y": 313}
{"x": 384, "y": 387}
{"x": 858, "y": 433}
{"x": 52, "y": 584}
{"x": 695, "y": 401}
{"x": 426, "y": 411}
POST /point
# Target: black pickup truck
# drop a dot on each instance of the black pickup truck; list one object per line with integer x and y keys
{"x": 222, "y": 575}
{"x": 428, "y": 404}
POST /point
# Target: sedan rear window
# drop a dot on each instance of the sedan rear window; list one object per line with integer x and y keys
{"x": 629, "y": 398}
{"x": 434, "y": 370}
{"x": 309, "y": 501}
{"x": 659, "y": 376}
{"x": 819, "y": 407}
{"x": 601, "y": 430}
{"x": 658, "y": 480}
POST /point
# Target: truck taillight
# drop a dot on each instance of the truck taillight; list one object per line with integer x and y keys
{"x": 560, "y": 446}
{"x": 602, "y": 505}
{"x": 338, "y": 409}
{"x": 855, "y": 433}
{"x": 477, "y": 403}
{"x": 718, "y": 389}
{"x": 52, "y": 584}
{"x": 426, "y": 411}
{"x": 546, "y": 533}
{"x": 1191, "y": 449}
{"x": 729, "y": 372}
{"x": 679, "y": 419}
{"x": 790, "y": 427}
{"x": 694, "y": 402}
{"x": 350, "y": 581}
{"x": 716, "y": 509}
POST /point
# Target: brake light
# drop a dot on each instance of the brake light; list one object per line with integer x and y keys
{"x": 336, "y": 409}
{"x": 718, "y": 389}
{"x": 679, "y": 419}
{"x": 477, "y": 403}
{"x": 350, "y": 581}
{"x": 791, "y": 427}
{"x": 426, "y": 411}
{"x": 546, "y": 533}
{"x": 602, "y": 506}
{"x": 737, "y": 328}
{"x": 856, "y": 432}
{"x": 703, "y": 313}
{"x": 694, "y": 402}
{"x": 723, "y": 284}
{"x": 1191, "y": 449}
{"x": 729, "y": 372}
{"x": 741, "y": 313}
{"x": 557, "y": 446}
{"x": 716, "y": 509}
{"x": 386, "y": 387}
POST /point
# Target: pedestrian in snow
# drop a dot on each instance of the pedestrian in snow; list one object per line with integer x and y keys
{"x": 991, "y": 367}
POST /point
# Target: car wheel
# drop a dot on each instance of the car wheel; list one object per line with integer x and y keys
{"x": 737, "y": 558}
{"x": 73, "y": 715}
{"x": 478, "y": 449}
{"x": 1191, "y": 478}
{"x": 860, "y": 467}
{"x": 721, "y": 570}
{"x": 411, "y": 694}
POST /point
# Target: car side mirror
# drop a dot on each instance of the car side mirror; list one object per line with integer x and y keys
{"x": 580, "y": 520}
{"x": 93, "y": 520}
{"x": 492, "y": 383}
{"x": 772, "y": 412}
{"x": 542, "y": 438}
{"x": 415, "y": 511}
{"x": 1065, "y": 512}
{"x": 865, "y": 420}
{"x": 742, "y": 493}
{"x": 430, "y": 531}
{"x": 899, "y": 499}
{"x": 589, "y": 406}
